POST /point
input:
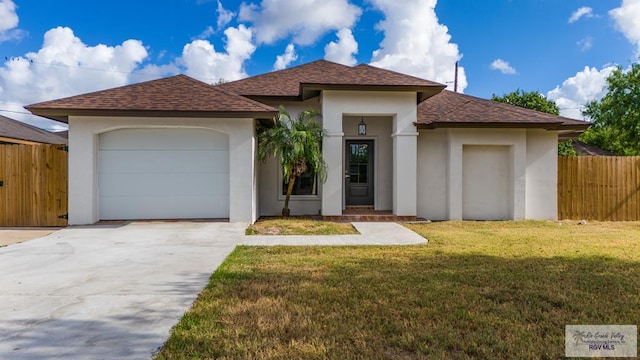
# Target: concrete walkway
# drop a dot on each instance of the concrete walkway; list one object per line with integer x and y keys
{"x": 381, "y": 233}
{"x": 114, "y": 292}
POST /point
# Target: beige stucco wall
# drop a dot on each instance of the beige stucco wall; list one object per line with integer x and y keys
{"x": 532, "y": 171}
{"x": 84, "y": 134}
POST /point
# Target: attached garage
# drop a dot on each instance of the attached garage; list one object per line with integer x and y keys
{"x": 487, "y": 193}
{"x": 163, "y": 173}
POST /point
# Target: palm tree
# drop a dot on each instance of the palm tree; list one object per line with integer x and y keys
{"x": 296, "y": 143}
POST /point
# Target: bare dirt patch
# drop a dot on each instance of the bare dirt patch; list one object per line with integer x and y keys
{"x": 9, "y": 236}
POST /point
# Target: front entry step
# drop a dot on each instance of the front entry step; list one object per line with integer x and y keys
{"x": 368, "y": 214}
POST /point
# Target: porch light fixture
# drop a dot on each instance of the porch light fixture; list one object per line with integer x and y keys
{"x": 362, "y": 127}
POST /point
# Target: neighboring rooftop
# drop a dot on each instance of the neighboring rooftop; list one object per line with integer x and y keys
{"x": 448, "y": 109}
{"x": 64, "y": 134}
{"x": 16, "y": 132}
{"x": 305, "y": 81}
{"x": 172, "y": 96}
{"x": 584, "y": 149}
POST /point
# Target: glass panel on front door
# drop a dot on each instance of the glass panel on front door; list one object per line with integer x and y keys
{"x": 359, "y": 172}
{"x": 359, "y": 163}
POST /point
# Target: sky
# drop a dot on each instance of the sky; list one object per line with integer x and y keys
{"x": 564, "y": 49}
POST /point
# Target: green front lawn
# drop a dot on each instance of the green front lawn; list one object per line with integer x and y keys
{"x": 299, "y": 226}
{"x": 499, "y": 290}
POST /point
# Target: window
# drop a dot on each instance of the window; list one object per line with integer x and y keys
{"x": 306, "y": 184}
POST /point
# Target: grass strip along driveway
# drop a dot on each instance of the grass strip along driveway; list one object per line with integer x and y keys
{"x": 299, "y": 226}
{"x": 477, "y": 290}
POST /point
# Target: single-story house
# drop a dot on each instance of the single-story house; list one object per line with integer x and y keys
{"x": 17, "y": 132}
{"x": 180, "y": 148}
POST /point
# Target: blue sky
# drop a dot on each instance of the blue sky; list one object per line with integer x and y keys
{"x": 564, "y": 49}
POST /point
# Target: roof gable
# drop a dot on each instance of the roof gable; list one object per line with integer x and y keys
{"x": 13, "y": 129}
{"x": 304, "y": 81}
{"x": 450, "y": 109}
{"x": 172, "y": 96}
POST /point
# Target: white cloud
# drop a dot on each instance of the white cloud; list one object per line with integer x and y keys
{"x": 503, "y": 67}
{"x": 415, "y": 43}
{"x": 585, "y": 44}
{"x": 9, "y": 21}
{"x": 224, "y": 16}
{"x": 343, "y": 50}
{"x": 587, "y": 85}
{"x": 65, "y": 66}
{"x": 584, "y": 11}
{"x": 627, "y": 18}
{"x": 305, "y": 20}
{"x": 8, "y": 16}
{"x": 282, "y": 61}
{"x": 203, "y": 62}
{"x": 152, "y": 71}
{"x": 206, "y": 33}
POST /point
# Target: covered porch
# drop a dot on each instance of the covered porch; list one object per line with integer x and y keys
{"x": 370, "y": 149}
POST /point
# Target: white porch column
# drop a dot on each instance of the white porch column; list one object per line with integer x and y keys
{"x": 83, "y": 187}
{"x": 405, "y": 170}
{"x": 454, "y": 181}
{"x": 332, "y": 152}
{"x": 242, "y": 190}
{"x": 332, "y": 189}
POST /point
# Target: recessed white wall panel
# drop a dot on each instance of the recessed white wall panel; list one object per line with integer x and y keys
{"x": 486, "y": 187}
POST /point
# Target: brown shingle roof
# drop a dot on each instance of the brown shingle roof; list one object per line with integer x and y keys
{"x": 306, "y": 80}
{"x": 13, "y": 129}
{"x": 174, "y": 96}
{"x": 449, "y": 109}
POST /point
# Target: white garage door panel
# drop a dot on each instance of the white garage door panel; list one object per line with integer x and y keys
{"x": 186, "y": 184}
{"x": 155, "y": 161}
{"x": 163, "y": 174}
{"x": 486, "y": 190}
{"x": 155, "y": 208}
{"x": 164, "y": 139}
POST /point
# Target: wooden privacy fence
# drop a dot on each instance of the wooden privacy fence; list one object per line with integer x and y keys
{"x": 599, "y": 188}
{"x": 34, "y": 185}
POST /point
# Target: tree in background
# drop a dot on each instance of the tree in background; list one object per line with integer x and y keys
{"x": 616, "y": 117}
{"x": 296, "y": 144}
{"x": 533, "y": 100}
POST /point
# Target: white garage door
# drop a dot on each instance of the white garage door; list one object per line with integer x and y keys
{"x": 163, "y": 174}
{"x": 486, "y": 188}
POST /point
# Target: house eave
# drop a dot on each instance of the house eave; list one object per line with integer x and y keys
{"x": 309, "y": 90}
{"x": 63, "y": 115}
{"x": 501, "y": 125}
{"x": 275, "y": 99}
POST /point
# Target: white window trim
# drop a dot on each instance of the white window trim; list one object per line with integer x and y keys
{"x": 282, "y": 197}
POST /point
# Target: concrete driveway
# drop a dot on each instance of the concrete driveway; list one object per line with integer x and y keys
{"x": 105, "y": 292}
